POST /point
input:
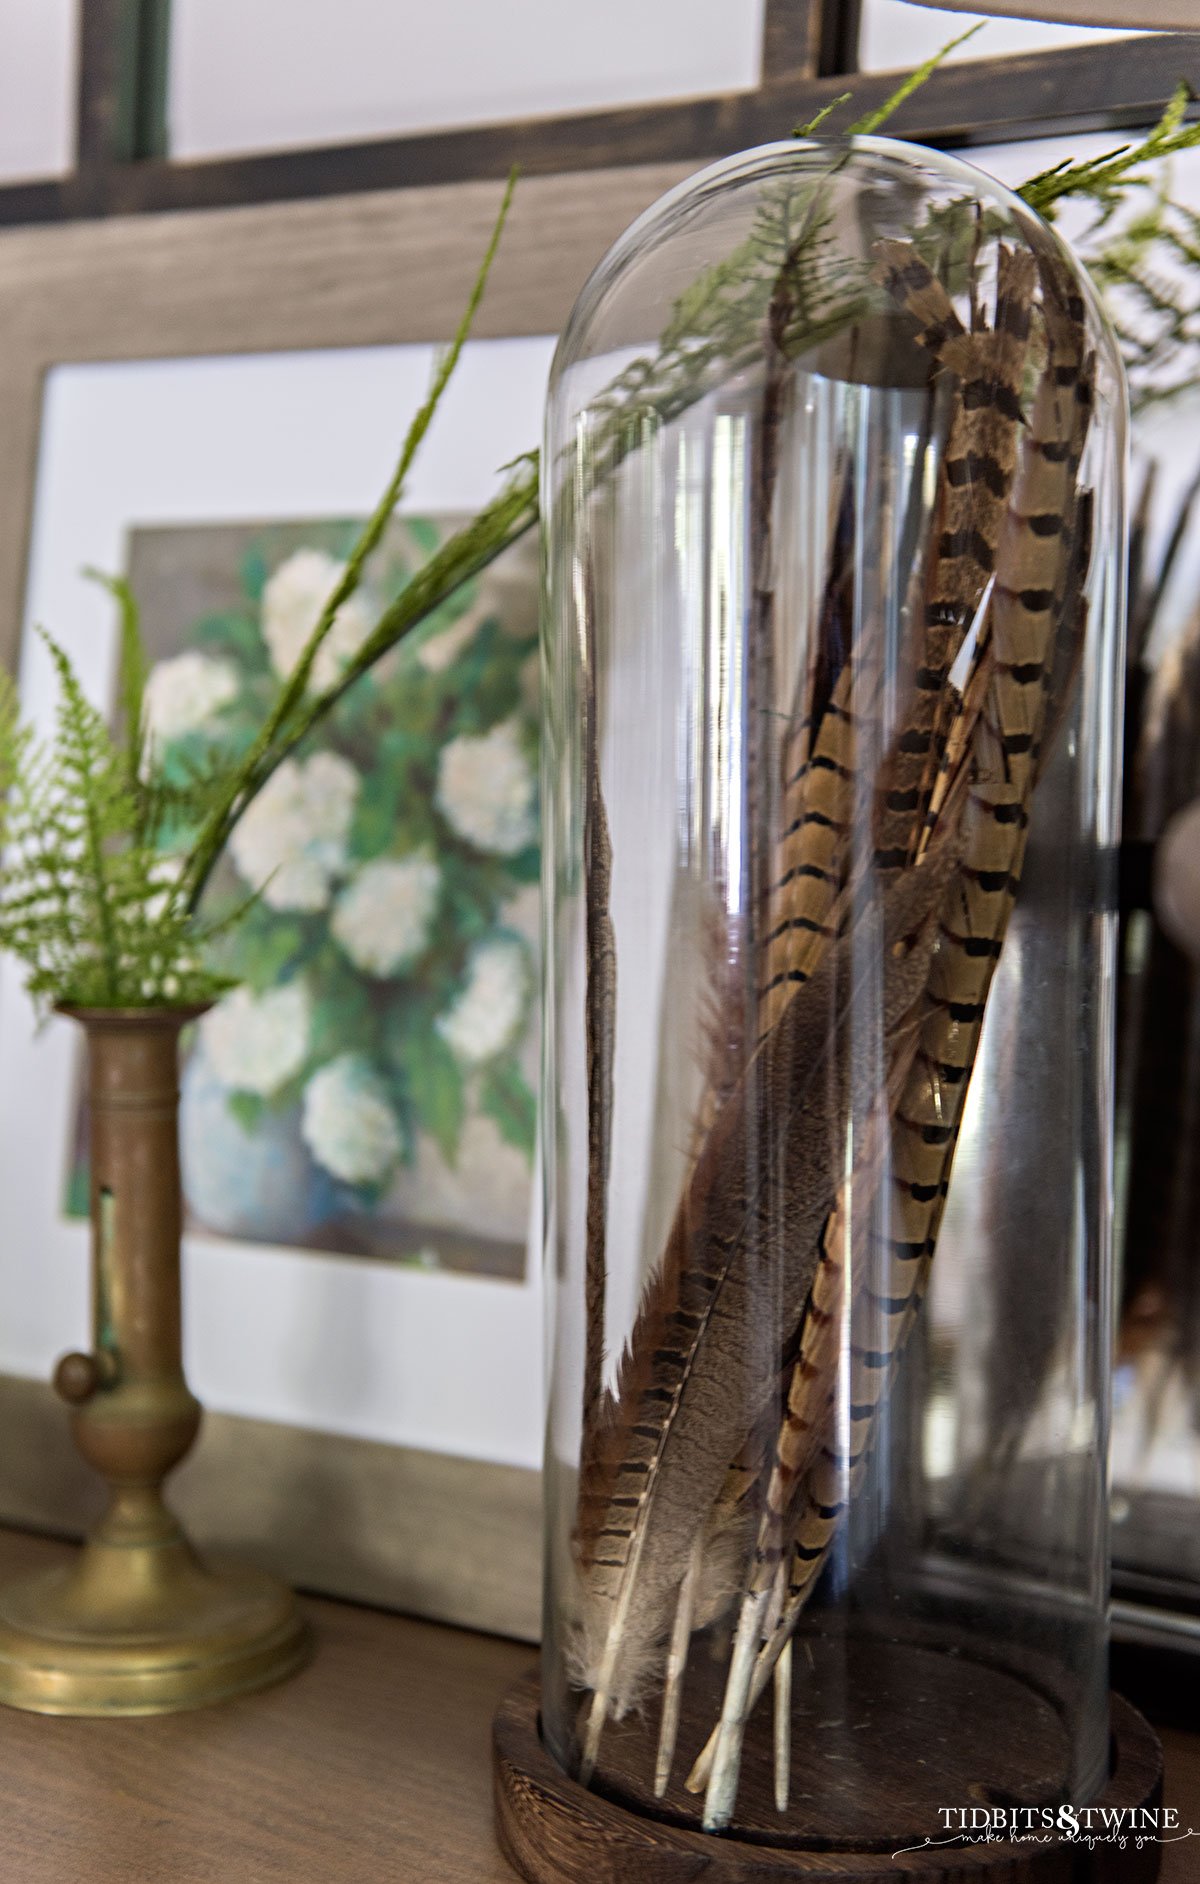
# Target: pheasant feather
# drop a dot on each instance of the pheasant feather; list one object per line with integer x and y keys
{"x": 1024, "y": 562}
{"x": 755, "y": 1203}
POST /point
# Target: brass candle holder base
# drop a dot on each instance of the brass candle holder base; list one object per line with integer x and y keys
{"x": 143, "y": 1628}
{"x": 138, "y": 1624}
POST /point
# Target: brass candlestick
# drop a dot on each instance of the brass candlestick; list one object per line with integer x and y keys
{"x": 138, "y": 1624}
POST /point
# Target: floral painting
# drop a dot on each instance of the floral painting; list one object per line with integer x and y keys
{"x": 368, "y": 1088}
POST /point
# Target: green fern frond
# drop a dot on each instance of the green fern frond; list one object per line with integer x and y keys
{"x": 14, "y": 747}
{"x": 87, "y": 901}
{"x": 874, "y": 120}
{"x": 133, "y": 669}
{"x": 92, "y": 809}
{"x": 1106, "y": 181}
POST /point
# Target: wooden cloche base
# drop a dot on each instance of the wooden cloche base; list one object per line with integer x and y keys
{"x": 555, "y": 1831}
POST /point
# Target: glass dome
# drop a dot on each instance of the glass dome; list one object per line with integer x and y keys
{"x": 834, "y": 487}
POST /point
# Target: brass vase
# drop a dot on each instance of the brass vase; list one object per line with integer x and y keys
{"x": 138, "y": 1624}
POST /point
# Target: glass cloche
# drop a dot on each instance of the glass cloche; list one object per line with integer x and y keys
{"x": 833, "y": 488}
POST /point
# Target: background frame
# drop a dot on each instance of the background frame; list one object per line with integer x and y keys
{"x": 352, "y": 1517}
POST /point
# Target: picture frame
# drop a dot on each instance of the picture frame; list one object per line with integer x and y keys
{"x": 302, "y": 1218}
{"x": 124, "y": 167}
{"x": 454, "y": 1537}
{"x": 809, "y": 50}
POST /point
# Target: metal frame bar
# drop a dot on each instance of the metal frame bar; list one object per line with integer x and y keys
{"x": 121, "y": 91}
{"x": 808, "y": 47}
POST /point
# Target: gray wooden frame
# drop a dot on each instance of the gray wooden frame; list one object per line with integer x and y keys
{"x": 443, "y": 1537}
{"x": 122, "y": 161}
{"x": 809, "y": 49}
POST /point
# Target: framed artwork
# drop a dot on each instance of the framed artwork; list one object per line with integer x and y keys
{"x": 163, "y": 123}
{"x": 369, "y": 1088}
{"x": 366, "y": 1093}
{"x": 363, "y": 1318}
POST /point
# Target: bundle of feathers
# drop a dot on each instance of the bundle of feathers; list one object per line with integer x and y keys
{"x": 714, "y": 1475}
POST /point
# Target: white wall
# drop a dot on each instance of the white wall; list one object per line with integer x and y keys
{"x": 37, "y": 87}
{"x": 897, "y": 34}
{"x": 261, "y": 74}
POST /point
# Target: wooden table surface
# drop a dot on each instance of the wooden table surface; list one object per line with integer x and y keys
{"x": 373, "y": 1765}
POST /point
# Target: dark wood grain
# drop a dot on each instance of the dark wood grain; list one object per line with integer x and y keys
{"x": 841, "y": 30}
{"x": 987, "y": 1735}
{"x": 1181, "y": 1752}
{"x": 106, "y": 89}
{"x": 556, "y": 1832}
{"x": 120, "y": 114}
{"x": 794, "y": 32}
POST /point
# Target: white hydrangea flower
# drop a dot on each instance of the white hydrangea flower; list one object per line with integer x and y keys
{"x": 485, "y": 790}
{"x": 292, "y": 601}
{"x": 291, "y": 840}
{"x": 184, "y": 695}
{"x": 486, "y": 1014}
{"x": 382, "y": 919}
{"x": 256, "y": 1042}
{"x": 348, "y": 1124}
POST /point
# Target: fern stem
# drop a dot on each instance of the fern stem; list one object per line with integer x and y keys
{"x": 508, "y": 518}
{"x": 100, "y": 897}
{"x": 862, "y": 127}
{"x": 239, "y": 789}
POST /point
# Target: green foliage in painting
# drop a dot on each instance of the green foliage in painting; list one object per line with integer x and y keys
{"x": 508, "y": 1100}
{"x": 379, "y": 960}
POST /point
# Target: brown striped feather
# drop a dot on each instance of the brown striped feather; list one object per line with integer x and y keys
{"x": 905, "y": 825}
